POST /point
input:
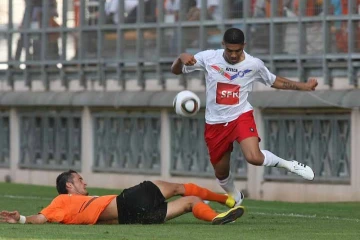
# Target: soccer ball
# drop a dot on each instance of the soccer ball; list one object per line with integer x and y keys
{"x": 186, "y": 103}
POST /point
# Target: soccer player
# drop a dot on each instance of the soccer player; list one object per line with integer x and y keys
{"x": 143, "y": 204}
{"x": 230, "y": 74}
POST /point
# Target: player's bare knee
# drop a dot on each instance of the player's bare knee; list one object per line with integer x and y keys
{"x": 179, "y": 189}
{"x": 169, "y": 189}
{"x": 191, "y": 201}
{"x": 221, "y": 175}
{"x": 176, "y": 189}
{"x": 255, "y": 159}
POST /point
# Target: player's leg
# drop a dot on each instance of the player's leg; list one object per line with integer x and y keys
{"x": 181, "y": 206}
{"x": 225, "y": 179}
{"x": 255, "y": 156}
{"x": 169, "y": 190}
{"x": 219, "y": 142}
{"x": 248, "y": 137}
{"x": 251, "y": 151}
{"x": 201, "y": 210}
{"x": 249, "y": 142}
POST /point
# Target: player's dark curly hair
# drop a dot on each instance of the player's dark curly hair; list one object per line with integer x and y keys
{"x": 62, "y": 179}
{"x": 234, "y": 36}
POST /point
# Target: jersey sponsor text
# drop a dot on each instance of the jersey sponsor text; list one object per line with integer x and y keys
{"x": 227, "y": 94}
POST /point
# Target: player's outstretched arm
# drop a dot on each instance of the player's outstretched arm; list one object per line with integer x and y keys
{"x": 15, "y": 217}
{"x": 284, "y": 83}
{"x": 183, "y": 59}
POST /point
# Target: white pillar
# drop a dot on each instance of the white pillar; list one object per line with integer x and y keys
{"x": 14, "y": 143}
{"x": 165, "y": 145}
{"x": 87, "y": 143}
{"x": 355, "y": 152}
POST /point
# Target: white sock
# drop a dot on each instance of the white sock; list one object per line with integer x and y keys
{"x": 229, "y": 187}
{"x": 271, "y": 160}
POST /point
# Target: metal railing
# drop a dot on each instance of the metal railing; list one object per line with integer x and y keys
{"x": 75, "y": 40}
{"x": 319, "y": 140}
{"x": 50, "y": 139}
{"x": 127, "y": 143}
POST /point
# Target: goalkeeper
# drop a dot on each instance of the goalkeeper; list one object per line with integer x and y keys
{"x": 144, "y": 203}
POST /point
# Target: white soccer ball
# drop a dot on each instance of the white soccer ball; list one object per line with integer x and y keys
{"x": 186, "y": 103}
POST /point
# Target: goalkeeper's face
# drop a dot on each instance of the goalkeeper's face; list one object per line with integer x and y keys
{"x": 78, "y": 185}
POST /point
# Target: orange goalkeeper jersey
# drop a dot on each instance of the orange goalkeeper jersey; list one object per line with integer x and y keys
{"x": 76, "y": 209}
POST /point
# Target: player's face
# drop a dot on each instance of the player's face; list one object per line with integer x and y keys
{"x": 233, "y": 52}
{"x": 78, "y": 185}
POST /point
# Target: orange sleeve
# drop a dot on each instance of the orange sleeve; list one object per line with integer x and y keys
{"x": 55, "y": 211}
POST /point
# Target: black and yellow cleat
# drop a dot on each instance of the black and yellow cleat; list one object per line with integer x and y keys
{"x": 229, "y": 216}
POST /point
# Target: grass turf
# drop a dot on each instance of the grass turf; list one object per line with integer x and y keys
{"x": 262, "y": 220}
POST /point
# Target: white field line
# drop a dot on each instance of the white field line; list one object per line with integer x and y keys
{"x": 24, "y": 197}
{"x": 296, "y": 215}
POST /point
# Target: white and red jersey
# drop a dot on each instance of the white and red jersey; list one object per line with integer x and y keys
{"x": 227, "y": 85}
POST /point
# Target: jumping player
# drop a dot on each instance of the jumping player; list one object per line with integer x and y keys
{"x": 230, "y": 74}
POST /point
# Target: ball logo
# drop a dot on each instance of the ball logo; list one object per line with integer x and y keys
{"x": 186, "y": 102}
{"x": 227, "y": 94}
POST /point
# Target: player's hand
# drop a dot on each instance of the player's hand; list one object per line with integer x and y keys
{"x": 311, "y": 84}
{"x": 187, "y": 59}
{"x": 9, "y": 217}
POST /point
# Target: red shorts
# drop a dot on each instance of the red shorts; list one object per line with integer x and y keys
{"x": 219, "y": 138}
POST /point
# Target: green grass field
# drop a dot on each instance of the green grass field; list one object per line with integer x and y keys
{"x": 262, "y": 220}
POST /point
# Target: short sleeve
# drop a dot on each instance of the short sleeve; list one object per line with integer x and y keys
{"x": 200, "y": 62}
{"x": 54, "y": 212}
{"x": 263, "y": 74}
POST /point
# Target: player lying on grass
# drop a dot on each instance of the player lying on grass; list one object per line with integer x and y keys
{"x": 141, "y": 204}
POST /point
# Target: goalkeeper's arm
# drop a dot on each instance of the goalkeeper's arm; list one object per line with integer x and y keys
{"x": 15, "y": 217}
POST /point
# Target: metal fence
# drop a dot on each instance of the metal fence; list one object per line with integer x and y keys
{"x": 87, "y": 40}
{"x": 50, "y": 139}
{"x": 319, "y": 140}
{"x": 127, "y": 143}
